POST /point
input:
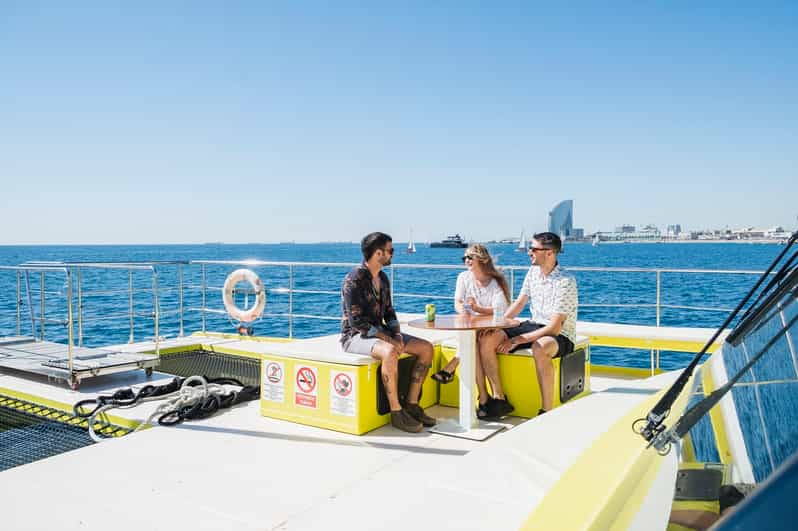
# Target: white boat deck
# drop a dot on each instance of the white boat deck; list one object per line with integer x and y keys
{"x": 239, "y": 470}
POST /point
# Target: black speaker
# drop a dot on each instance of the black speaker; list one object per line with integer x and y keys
{"x": 572, "y": 374}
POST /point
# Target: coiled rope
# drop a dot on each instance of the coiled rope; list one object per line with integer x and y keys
{"x": 192, "y": 398}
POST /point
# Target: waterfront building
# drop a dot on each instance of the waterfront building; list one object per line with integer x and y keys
{"x": 561, "y": 219}
{"x": 673, "y": 231}
{"x": 626, "y": 228}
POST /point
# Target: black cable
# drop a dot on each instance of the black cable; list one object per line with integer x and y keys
{"x": 653, "y": 421}
{"x": 126, "y": 397}
{"x": 694, "y": 414}
{"x": 778, "y": 277}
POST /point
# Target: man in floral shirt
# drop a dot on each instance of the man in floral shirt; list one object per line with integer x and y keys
{"x": 551, "y": 331}
{"x": 369, "y": 326}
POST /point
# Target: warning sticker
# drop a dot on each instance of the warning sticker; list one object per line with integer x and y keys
{"x": 273, "y": 381}
{"x": 307, "y": 389}
{"x": 342, "y": 393}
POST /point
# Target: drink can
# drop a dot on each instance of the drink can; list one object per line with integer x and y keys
{"x": 429, "y": 312}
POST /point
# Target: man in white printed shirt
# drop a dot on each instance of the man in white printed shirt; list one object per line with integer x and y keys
{"x": 553, "y": 299}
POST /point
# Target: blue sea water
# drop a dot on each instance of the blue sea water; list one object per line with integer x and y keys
{"x": 106, "y": 320}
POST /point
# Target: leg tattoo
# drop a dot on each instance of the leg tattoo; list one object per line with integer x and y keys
{"x": 420, "y": 372}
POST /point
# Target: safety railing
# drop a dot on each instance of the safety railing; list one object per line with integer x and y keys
{"x": 76, "y": 271}
{"x": 38, "y": 322}
{"x": 293, "y": 294}
{"x": 290, "y": 291}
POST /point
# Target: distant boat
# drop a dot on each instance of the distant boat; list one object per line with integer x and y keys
{"x": 596, "y": 240}
{"x": 521, "y": 243}
{"x": 452, "y": 242}
{"x": 411, "y": 247}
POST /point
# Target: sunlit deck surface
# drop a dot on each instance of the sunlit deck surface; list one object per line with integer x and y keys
{"x": 239, "y": 470}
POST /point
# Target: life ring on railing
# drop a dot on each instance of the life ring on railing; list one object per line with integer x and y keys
{"x": 228, "y": 292}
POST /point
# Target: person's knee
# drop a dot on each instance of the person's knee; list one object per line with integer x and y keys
{"x": 543, "y": 351}
{"x": 389, "y": 355}
{"x": 490, "y": 340}
{"x": 427, "y": 351}
{"x": 422, "y": 350}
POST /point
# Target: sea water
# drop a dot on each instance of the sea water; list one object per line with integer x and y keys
{"x": 317, "y": 289}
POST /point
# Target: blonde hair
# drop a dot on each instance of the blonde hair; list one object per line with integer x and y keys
{"x": 480, "y": 254}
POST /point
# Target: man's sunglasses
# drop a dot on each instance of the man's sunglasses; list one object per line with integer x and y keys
{"x": 536, "y": 249}
{"x": 388, "y": 251}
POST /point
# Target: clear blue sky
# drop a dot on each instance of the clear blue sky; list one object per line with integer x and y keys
{"x": 160, "y": 122}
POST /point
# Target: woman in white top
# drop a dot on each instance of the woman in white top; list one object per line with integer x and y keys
{"x": 478, "y": 290}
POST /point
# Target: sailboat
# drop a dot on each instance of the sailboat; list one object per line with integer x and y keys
{"x": 596, "y": 240}
{"x": 411, "y": 247}
{"x": 521, "y": 243}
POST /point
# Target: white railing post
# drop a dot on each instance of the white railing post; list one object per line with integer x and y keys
{"x": 80, "y": 308}
{"x": 290, "y": 301}
{"x": 130, "y": 303}
{"x": 19, "y": 304}
{"x": 180, "y": 297}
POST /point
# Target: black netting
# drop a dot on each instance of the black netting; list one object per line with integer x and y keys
{"x": 211, "y": 365}
{"x": 25, "y": 438}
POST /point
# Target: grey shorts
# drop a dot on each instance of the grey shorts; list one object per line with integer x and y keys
{"x": 363, "y": 345}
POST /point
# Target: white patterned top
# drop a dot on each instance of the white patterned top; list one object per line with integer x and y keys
{"x": 550, "y": 295}
{"x": 467, "y": 286}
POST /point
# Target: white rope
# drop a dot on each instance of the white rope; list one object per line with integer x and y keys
{"x": 187, "y": 395}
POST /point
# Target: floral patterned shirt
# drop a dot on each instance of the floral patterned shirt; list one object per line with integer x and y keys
{"x": 365, "y": 311}
{"x": 551, "y": 295}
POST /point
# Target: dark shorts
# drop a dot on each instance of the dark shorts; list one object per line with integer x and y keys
{"x": 564, "y": 345}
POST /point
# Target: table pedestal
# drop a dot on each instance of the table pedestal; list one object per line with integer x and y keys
{"x": 468, "y": 427}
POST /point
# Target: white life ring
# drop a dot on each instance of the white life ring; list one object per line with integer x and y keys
{"x": 228, "y": 292}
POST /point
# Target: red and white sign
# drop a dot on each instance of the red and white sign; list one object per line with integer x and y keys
{"x": 306, "y": 389}
{"x": 342, "y": 383}
{"x": 274, "y": 372}
{"x": 273, "y": 381}
{"x": 343, "y": 393}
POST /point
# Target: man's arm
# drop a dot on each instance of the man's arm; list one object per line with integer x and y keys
{"x": 391, "y": 321}
{"x": 516, "y": 307}
{"x": 352, "y": 297}
{"x": 552, "y": 329}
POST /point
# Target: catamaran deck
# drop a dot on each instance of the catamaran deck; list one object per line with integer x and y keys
{"x": 239, "y": 470}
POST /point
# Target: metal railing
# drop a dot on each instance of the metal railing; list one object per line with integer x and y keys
{"x": 26, "y": 270}
{"x": 289, "y": 290}
{"x": 75, "y": 270}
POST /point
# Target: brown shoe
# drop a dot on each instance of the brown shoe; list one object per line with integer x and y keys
{"x": 404, "y": 421}
{"x": 417, "y": 413}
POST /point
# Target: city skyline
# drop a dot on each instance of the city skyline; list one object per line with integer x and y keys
{"x": 161, "y": 123}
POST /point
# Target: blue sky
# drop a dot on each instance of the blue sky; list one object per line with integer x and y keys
{"x": 169, "y": 122}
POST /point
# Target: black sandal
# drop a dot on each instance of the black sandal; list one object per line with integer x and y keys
{"x": 443, "y": 376}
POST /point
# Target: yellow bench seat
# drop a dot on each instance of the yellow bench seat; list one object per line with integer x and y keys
{"x": 314, "y": 382}
{"x": 519, "y": 378}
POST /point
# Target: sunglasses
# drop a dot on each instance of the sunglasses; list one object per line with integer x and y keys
{"x": 536, "y": 249}
{"x": 388, "y": 251}
{"x": 468, "y": 257}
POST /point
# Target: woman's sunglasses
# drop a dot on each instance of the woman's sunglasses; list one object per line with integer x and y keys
{"x": 468, "y": 257}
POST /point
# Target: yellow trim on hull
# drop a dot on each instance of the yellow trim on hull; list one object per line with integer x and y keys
{"x": 607, "y": 484}
{"x": 66, "y": 408}
{"x": 264, "y": 339}
{"x": 716, "y": 418}
{"x": 649, "y": 344}
{"x": 613, "y": 370}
